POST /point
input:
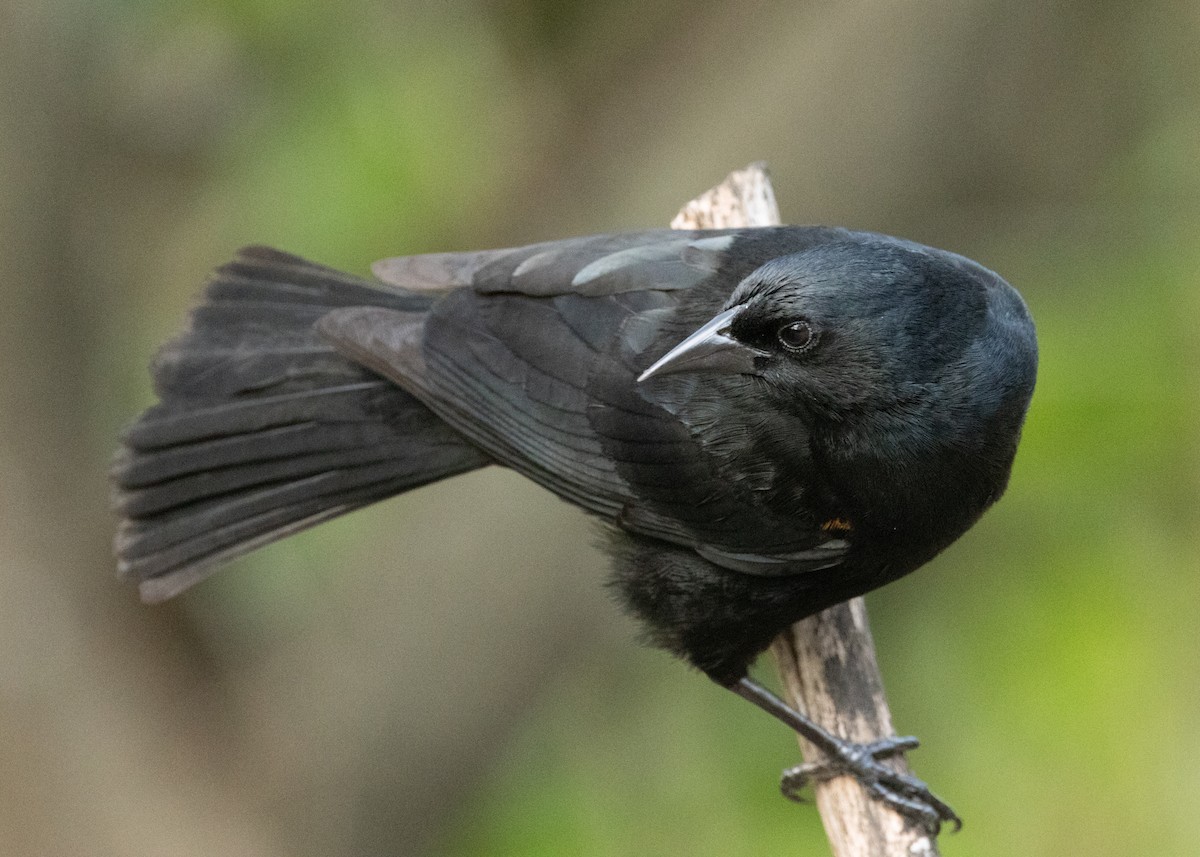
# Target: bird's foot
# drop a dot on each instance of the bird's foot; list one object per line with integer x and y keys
{"x": 905, "y": 793}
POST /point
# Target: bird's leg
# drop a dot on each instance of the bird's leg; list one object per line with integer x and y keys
{"x": 903, "y": 792}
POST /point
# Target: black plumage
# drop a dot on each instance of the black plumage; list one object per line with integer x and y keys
{"x": 769, "y": 420}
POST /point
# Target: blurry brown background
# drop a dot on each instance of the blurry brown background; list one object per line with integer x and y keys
{"x": 443, "y": 674}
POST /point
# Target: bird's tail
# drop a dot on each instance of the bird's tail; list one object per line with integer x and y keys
{"x": 263, "y": 429}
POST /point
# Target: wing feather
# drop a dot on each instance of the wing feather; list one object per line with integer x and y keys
{"x": 533, "y": 354}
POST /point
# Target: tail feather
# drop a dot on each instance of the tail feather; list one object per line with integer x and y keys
{"x": 263, "y": 429}
{"x": 217, "y": 526}
{"x": 283, "y": 442}
{"x": 163, "y": 427}
{"x": 158, "y": 498}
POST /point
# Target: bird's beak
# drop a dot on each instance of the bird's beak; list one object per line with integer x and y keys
{"x": 709, "y": 349}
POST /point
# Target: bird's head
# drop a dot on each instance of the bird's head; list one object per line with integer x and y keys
{"x": 886, "y": 349}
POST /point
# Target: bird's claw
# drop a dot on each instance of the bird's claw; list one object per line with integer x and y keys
{"x": 905, "y": 793}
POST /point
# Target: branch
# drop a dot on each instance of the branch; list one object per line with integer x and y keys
{"x": 827, "y": 662}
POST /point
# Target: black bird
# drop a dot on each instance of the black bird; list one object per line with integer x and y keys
{"x": 769, "y": 421}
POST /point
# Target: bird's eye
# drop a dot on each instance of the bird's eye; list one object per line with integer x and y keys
{"x": 796, "y": 336}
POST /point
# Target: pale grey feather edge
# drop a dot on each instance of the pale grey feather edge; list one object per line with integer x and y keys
{"x": 593, "y": 263}
{"x": 436, "y": 272}
{"x": 661, "y": 251}
{"x": 702, "y": 255}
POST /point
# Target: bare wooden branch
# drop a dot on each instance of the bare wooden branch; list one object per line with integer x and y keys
{"x": 827, "y": 662}
{"x": 745, "y": 198}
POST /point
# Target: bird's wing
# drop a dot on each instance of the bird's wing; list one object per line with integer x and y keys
{"x": 536, "y": 359}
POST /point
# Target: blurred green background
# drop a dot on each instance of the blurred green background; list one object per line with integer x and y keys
{"x": 443, "y": 674}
